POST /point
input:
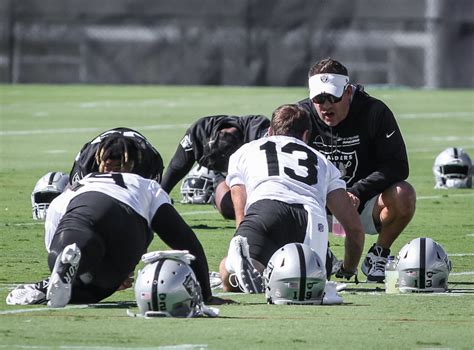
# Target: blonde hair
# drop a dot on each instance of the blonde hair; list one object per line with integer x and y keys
{"x": 121, "y": 148}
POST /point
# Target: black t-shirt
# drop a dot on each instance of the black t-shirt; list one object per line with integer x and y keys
{"x": 150, "y": 168}
{"x": 191, "y": 146}
{"x": 367, "y": 146}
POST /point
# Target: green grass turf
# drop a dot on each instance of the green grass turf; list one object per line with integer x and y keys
{"x": 43, "y": 127}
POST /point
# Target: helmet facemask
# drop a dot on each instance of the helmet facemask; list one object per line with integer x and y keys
{"x": 198, "y": 186}
{"x": 48, "y": 187}
{"x": 453, "y": 169}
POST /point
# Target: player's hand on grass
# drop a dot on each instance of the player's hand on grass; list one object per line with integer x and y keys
{"x": 345, "y": 274}
{"x": 127, "y": 283}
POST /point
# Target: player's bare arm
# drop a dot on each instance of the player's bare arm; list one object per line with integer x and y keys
{"x": 341, "y": 206}
{"x": 239, "y": 198}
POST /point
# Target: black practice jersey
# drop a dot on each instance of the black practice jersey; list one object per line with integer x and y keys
{"x": 367, "y": 146}
{"x": 150, "y": 168}
{"x": 191, "y": 146}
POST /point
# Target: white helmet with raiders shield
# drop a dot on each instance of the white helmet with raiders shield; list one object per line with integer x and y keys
{"x": 167, "y": 287}
{"x": 198, "y": 186}
{"x": 453, "y": 169}
{"x": 47, "y": 188}
{"x": 295, "y": 275}
{"x": 423, "y": 266}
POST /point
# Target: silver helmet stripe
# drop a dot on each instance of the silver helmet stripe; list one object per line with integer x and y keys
{"x": 299, "y": 248}
{"x": 422, "y": 262}
{"x": 154, "y": 287}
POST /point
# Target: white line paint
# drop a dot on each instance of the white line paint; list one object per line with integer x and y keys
{"x": 22, "y": 311}
{"x": 164, "y": 347}
{"x": 437, "y": 115}
{"x": 447, "y": 195}
{"x": 466, "y": 273}
{"x": 186, "y": 213}
{"x": 462, "y": 254}
{"x": 84, "y": 130}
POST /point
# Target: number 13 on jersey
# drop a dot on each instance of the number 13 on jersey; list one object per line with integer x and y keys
{"x": 298, "y": 162}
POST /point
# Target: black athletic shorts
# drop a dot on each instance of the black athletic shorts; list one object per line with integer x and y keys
{"x": 270, "y": 224}
{"x": 111, "y": 235}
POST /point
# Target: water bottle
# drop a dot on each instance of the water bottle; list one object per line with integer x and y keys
{"x": 391, "y": 276}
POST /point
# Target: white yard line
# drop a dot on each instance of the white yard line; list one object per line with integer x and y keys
{"x": 204, "y": 212}
{"x": 83, "y": 130}
{"x": 465, "y": 273}
{"x": 82, "y": 347}
{"x": 434, "y": 115}
{"x": 446, "y": 196}
{"x": 21, "y": 311}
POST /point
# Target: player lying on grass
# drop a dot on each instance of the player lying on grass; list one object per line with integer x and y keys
{"x": 210, "y": 141}
{"x": 97, "y": 230}
{"x": 52, "y": 184}
{"x": 280, "y": 188}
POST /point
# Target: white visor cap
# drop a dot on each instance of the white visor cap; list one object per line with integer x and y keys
{"x": 327, "y": 83}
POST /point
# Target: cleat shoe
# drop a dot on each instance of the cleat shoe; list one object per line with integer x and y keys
{"x": 215, "y": 280}
{"x": 29, "y": 294}
{"x": 64, "y": 272}
{"x": 239, "y": 262}
{"x": 374, "y": 264}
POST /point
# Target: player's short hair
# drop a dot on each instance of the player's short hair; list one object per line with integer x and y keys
{"x": 290, "y": 120}
{"x": 327, "y": 65}
{"x": 219, "y": 148}
{"x": 119, "y": 148}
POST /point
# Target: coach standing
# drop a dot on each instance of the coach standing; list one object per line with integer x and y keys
{"x": 360, "y": 135}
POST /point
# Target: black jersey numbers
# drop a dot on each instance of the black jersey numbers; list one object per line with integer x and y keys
{"x": 309, "y": 163}
{"x": 115, "y": 178}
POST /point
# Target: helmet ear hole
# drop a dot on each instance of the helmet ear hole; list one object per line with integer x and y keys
{"x": 198, "y": 186}
{"x": 48, "y": 187}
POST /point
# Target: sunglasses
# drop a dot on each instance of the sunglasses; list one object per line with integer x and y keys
{"x": 322, "y": 98}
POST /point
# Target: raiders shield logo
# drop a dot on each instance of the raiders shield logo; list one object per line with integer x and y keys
{"x": 346, "y": 162}
{"x": 324, "y": 78}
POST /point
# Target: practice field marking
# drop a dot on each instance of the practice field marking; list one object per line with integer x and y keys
{"x": 437, "y": 115}
{"x": 187, "y": 213}
{"x": 466, "y": 273}
{"x": 446, "y": 196}
{"x": 22, "y": 311}
{"x": 83, "y": 130}
{"x": 165, "y": 347}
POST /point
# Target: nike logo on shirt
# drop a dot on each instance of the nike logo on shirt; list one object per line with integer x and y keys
{"x": 389, "y": 135}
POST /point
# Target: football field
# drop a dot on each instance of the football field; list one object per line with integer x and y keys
{"x": 43, "y": 127}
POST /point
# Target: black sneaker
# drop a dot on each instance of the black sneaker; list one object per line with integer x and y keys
{"x": 374, "y": 264}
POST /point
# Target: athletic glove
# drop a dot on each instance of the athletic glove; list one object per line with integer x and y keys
{"x": 341, "y": 273}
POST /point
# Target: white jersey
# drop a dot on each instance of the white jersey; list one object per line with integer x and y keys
{"x": 143, "y": 195}
{"x": 286, "y": 169}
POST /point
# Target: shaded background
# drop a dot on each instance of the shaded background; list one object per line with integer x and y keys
{"x": 426, "y": 43}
